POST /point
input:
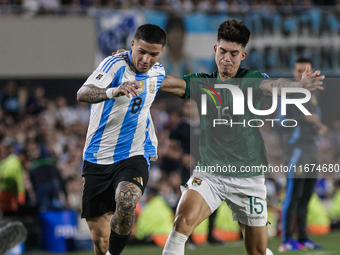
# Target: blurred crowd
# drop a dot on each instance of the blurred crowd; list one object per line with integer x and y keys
{"x": 60, "y": 7}
{"x": 45, "y": 138}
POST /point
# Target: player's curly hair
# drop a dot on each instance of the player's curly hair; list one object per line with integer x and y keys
{"x": 151, "y": 34}
{"x": 233, "y": 30}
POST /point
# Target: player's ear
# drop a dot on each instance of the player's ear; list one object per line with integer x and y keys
{"x": 215, "y": 48}
{"x": 132, "y": 43}
{"x": 244, "y": 54}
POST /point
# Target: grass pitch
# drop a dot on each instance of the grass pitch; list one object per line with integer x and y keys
{"x": 331, "y": 242}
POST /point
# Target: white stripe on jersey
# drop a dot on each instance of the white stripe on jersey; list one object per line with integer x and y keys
{"x": 114, "y": 124}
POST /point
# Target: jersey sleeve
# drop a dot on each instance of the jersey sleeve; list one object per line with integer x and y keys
{"x": 258, "y": 78}
{"x": 159, "y": 69}
{"x": 190, "y": 91}
{"x": 103, "y": 76}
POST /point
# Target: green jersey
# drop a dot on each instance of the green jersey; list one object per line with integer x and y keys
{"x": 230, "y": 144}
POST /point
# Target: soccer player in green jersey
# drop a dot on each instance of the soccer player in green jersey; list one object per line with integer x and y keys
{"x": 235, "y": 145}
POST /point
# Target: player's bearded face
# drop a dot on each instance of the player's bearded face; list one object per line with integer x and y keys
{"x": 228, "y": 57}
{"x": 145, "y": 55}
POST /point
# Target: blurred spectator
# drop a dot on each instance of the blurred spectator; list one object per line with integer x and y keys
{"x": 12, "y": 189}
{"x": 335, "y": 136}
{"x": 175, "y": 61}
{"x": 46, "y": 180}
{"x": 9, "y": 100}
{"x": 65, "y": 114}
{"x": 74, "y": 190}
{"x": 82, "y": 111}
{"x": 188, "y": 130}
{"x": 159, "y": 115}
{"x": 182, "y": 6}
{"x": 37, "y": 103}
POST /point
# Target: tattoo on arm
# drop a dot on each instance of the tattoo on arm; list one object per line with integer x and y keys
{"x": 123, "y": 85}
{"x": 267, "y": 85}
{"x": 91, "y": 94}
{"x": 127, "y": 196}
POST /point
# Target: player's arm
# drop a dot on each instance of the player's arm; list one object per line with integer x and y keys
{"x": 174, "y": 85}
{"x": 310, "y": 82}
{"x": 90, "y": 93}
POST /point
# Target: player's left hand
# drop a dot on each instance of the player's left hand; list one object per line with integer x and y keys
{"x": 312, "y": 81}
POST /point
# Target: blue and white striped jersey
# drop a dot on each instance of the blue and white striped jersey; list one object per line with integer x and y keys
{"x": 121, "y": 128}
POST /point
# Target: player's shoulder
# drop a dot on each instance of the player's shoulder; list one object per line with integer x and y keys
{"x": 113, "y": 62}
{"x": 246, "y": 73}
{"x": 158, "y": 67}
{"x": 199, "y": 75}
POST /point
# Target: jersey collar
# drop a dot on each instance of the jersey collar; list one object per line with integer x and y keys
{"x": 129, "y": 58}
{"x": 236, "y": 75}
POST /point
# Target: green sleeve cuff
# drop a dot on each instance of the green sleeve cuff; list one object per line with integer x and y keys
{"x": 187, "y": 88}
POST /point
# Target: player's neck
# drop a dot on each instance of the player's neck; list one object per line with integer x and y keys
{"x": 224, "y": 77}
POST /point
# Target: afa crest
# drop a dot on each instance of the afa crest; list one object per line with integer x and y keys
{"x": 152, "y": 87}
{"x": 142, "y": 86}
{"x": 196, "y": 182}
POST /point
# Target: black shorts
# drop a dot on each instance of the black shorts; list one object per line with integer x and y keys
{"x": 101, "y": 181}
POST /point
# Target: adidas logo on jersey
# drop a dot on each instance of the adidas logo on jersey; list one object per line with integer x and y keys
{"x": 139, "y": 179}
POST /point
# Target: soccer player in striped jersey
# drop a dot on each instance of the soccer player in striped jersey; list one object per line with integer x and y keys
{"x": 120, "y": 139}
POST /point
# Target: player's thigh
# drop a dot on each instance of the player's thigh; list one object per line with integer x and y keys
{"x": 192, "y": 209}
{"x": 199, "y": 200}
{"x": 255, "y": 239}
{"x": 100, "y": 226}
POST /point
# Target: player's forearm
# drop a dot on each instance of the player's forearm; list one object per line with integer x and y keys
{"x": 91, "y": 94}
{"x": 267, "y": 85}
{"x": 173, "y": 85}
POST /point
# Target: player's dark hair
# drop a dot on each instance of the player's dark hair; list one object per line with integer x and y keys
{"x": 303, "y": 60}
{"x": 233, "y": 30}
{"x": 151, "y": 34}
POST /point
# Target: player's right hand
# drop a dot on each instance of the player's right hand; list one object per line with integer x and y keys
{"x": 118, "y": 51}
{"x": 312, "y": 81}
{"x": 127, "y": 88}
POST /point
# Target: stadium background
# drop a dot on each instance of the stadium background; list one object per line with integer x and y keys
{"x": 48, "y": 48}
